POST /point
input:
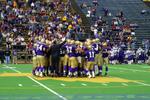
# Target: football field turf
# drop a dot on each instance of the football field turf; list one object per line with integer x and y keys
{"x": 125, "y": 82}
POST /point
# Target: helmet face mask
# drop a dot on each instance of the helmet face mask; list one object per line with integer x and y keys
{"x": 89, "y": 47}
{"x": 97, "y": 40}
{"x": 94, "y": 41}
{"x": 68, "y": 41}
{"x": 88, "y": 40}
{"x": 43, "y": 40}
{"x": 35, "y": 45}
{"x": 40, "y": 38}
{"x": 81, "y": 44}
{"x": 104, "y": 44}
{"x": 72, "y": 42}
{"x": 36, "y": 38}
{"x": 77, "y": 42}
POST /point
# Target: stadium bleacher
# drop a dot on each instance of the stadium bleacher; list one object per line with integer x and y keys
{"x": 132, "y": 12}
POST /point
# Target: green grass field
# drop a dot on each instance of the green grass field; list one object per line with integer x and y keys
{"x": 125, "y": 82}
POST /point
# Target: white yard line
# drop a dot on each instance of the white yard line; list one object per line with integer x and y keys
{"x": 8, "y": 67}
{"x": 62, "y": 84}
{"x": 129, "y": 69}
{"x": 124, "y": 84}
{"x": 145, "y": 67}
{"x": 84, "y": 84}
{"x": 20, "y": 85}
{"x": 141, "y": 83}
{"x": 12, "y": 69}
{"x": 42, "y": 85}
{"x": 104, "y": 84}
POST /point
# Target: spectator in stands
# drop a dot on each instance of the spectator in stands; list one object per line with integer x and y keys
{"x": 95, "y": 2}
{"x": 146, "y": 45}
{"x": 144, "y": 11}
{"x": 1, "y": 37}
{"x": 106, "y": 12}
{"x": 148, "y": 57}
{"x": 7, "y": 56}
{"x": 133, "y": 43}
{"x": 89, "y": 12}
{"x": 14, "y": 56}
{"x": 1, "y": 56}
{"x": 83, "y": 5}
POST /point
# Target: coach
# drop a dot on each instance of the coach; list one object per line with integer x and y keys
{"x": 55, "y": 57}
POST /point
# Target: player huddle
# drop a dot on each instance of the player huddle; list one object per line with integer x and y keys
{"x": 69, "y": 58}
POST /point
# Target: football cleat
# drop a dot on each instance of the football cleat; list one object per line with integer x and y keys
{"x": 41, "y": 74}
{"x": 90, "y": 76}
{"x": 93, "y": 74}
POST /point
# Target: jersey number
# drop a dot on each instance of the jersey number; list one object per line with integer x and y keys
{"x": 91, "y": 54}
{"x": 39, "y": 47}
{"x": 69, "y": 49}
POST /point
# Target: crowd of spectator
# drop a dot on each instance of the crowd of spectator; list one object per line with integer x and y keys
{"x": 22, "y": 22}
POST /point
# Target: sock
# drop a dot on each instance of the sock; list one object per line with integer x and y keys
{"x": 65, "y": 68}
{"x": 106, "y": 69}
{"x": 75, "y": 71}
{"x": 88, "y": 73}
{"x": 85, "y": 71}
{"x": 100, "y": 69}
{"x": 42, "y": 69}
{"x": 38, "y": 69}
{"x": 93, "y": 74}
{"x": 81, "y": 71}
{"x": 49, "y": 69}
{"x": 70, "y": 71}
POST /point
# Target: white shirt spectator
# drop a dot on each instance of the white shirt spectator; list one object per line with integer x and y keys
{"x": 32, "y": 4}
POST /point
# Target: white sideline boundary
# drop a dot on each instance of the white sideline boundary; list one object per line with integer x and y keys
{"x": 42, "y": 85}
{"x": 141, "y": 83}
{"x": 129, "y": 69}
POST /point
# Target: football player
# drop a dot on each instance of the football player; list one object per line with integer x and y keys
{"x": 40, "y": 56}
{"x": 111, "y": 57}
{"x": 129, "y": 56}
{"x": 73, "y": 66}
{"x": 66, "y": 57}
{"x": 47, "y": 57}
{"x": 105, "y": 54}
{"x": 140, "y": 55}
{"x": 62, "y": 60}
{"x": 90, "y": 60}
{"x": 79, "y": 54}
{"x": 98, "y": 56}
{"x": 115, "y": 50}
{"x": 34, "y": 59}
